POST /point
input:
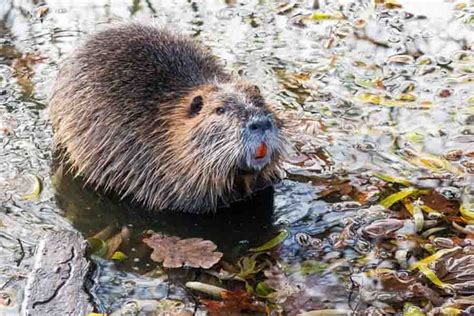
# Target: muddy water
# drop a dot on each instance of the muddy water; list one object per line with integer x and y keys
{"x": 364, "y": 90}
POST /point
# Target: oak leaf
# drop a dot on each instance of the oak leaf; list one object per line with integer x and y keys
{"x": 175, "y": 252}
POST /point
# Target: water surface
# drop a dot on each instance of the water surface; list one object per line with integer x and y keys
{"x": 370, "y": 94}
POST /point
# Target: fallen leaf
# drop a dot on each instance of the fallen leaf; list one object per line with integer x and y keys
{"x": 467, "y": 211}
{"x": 411, "y": 310}
{"x": 113, "y": 243}
{"x": 278, "y": 239}
{"x": 119, "y": 256}
{"x": 37, "y": 187}
{"x": 319, "y": 16}
{"x": 344, "y": 188}
{"x": 389, "y": 4}
{"x": 248, "y": 267}
{"x": 392, "y": 179}
{"x": 23, "y": 67}
{"x": 175, "y": 252}
{"x": 262, "y": 289}
{"x": 436, "y": 201}
{"x": 433, "y": 163}
{"x": 233, "y": 303}
{"x": 98, "y": 247}
{"x": 41, "y": 12}
{"x": 394, "y": 198}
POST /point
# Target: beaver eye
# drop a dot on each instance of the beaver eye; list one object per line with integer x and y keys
{"x": 196, "y": 106}
{"x": 220, "y": 110}
{"x": 256, "y": 89}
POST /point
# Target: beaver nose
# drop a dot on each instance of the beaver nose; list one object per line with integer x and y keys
{"x": 260, "y": 124}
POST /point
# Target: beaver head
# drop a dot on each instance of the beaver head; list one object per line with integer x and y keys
{"x": 227, "y": 139}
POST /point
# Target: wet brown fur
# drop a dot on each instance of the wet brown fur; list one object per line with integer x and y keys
{"x": 136, "y": 136}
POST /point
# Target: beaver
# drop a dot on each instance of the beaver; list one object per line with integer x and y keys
{"x": 152, "y": 115}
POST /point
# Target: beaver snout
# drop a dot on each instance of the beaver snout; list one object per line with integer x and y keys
{"x": 260, "y": 139}
{"x": 260, "y": 124}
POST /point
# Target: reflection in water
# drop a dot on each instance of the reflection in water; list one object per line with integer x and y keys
{"x": 234, "y": 229}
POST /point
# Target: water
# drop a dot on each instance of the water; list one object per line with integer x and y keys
{"x": 363, "y": 91}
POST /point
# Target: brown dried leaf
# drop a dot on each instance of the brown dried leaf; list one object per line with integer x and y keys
{"x": 344, "y": 188}
{"x": 457, "y": 270}
{"x": 23, "y": 67}
{"x": 233, "y": 303}
{"x": 113, "y": 244}
{"x": 439, "y": 203}
{"x": 41, "y": 12}
{"x": 175, "y": 252}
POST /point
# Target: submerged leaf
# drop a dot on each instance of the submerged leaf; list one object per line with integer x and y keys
{"x": 319, "y": 16}
{"x": 166, "y": 307}
{"x": 418, "y": 217}
{"x": 37, "y": 187}
{"x": 105, "y": 246}
{"x": 378, "y": 99}
{"x": 424, "y": 267}
{"x": 431, "y": 275}
{"x": 415, "y": 137}
{"x": 415, "y": 209}
{"x": 467, "y": 211}
{"x": 262, "y": 289}
{"x": 98, "y": 246}
{"x": 278, "y": 239}
{"x": 431, "y": 231}
{"x": 113, "y": 243}
{"x": 433, "y": 163}
{"x": 451, "y": 311}
{"x": 389, "y": 4}
{"x": 365, "y": 83}
{"x": 435, "y": 202}
{"x": 233, "y": 303}
{"x": 392, "y": 179}
{"x": 439, "y": 254}
{"x": 394, "y": 198}
{"x": 175, "y": 252}
{"x": 119, "y": 256}
{"x": 406, "y": 97}
{"x": 411, "y": 310}
{"x": 248, "y": 267}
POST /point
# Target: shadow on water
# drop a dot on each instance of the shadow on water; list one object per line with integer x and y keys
{"x": 234, "y": 229}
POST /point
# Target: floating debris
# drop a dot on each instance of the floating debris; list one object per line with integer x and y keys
{"x": 175, "y": 252}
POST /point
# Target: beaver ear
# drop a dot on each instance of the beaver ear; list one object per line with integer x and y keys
{"x": 196, "y": 106}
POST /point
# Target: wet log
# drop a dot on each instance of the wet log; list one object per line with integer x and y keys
{"x": 59, "y": 281}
